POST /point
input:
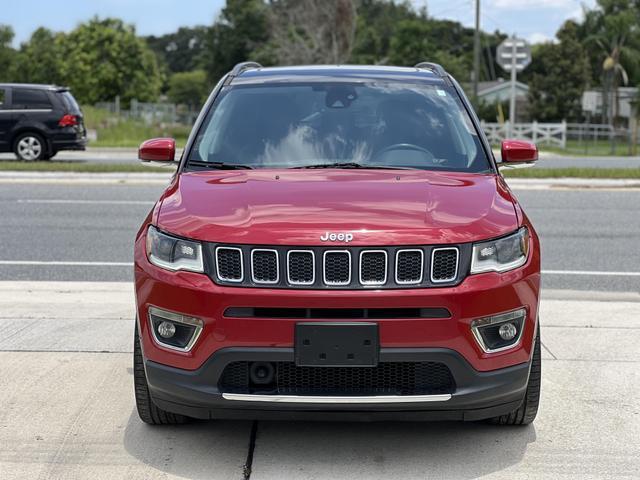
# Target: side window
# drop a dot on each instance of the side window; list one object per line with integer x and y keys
{"x": 30, "y": 99}
{"x": 3, "y": 95}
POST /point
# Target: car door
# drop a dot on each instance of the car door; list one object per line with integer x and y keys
{"x": 6, "y": 119}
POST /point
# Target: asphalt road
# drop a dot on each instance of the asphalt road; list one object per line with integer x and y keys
{"x": 547, "y": 160}
{"x": 589, "y": 237}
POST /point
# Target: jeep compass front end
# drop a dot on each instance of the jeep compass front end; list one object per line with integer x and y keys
{"x": 337, "y": 242}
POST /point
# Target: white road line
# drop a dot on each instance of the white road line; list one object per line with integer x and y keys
{"x": 85, "y": 202}
{"x": 66, "y": 264}
{"x": 590, "y": 272}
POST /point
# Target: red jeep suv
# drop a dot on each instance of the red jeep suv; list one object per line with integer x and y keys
{"x": 337, "y": 242}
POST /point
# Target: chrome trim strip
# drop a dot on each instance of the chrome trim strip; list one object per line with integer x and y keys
{"x": 26, "y": 110}
{"x": 313, "y": 262}
{"x": 324, "y": 267}
{"x": 380, "y": 399}
{"x": 176, "y": 318}
{"x": 267, "y": 282}
{"x": 386, "y": 266}
{"x": 411, "y": 282}
{"x": 455, "y": 275}
{"x": 234, "y": 280}
{"x": 520, "y": 313}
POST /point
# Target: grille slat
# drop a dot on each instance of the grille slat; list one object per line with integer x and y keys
{"x": 264, "y": 266}
{"x": 301, "y": 267}
{"x": 373, "y": 267}
{"x": 337, "y": 267}
{"x": 444, "y": 264}
{"x": 388, "y": 378}
{"x": 409, "y": 266}
{"x": 229, "y": 264}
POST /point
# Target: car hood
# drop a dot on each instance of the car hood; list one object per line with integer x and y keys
{"x": 297, "y": 207}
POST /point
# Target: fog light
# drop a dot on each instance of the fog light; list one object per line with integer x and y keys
{"x": 508, "y": 331}
{"x": 166, "y": 329}
{"x": 174, "y": 330}
{"x": 499, "y": 332}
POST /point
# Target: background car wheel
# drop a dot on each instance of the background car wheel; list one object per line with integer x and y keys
{"x": 526, "y": 413}
{"x": 147, "y": 410}
{"x": 30, "y": 147}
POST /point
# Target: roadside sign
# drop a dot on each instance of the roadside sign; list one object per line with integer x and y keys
{"x": 513, "y": 49}
{"x": 513, "y": 55}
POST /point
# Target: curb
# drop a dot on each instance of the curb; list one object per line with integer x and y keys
{"x": 79, "y": 177}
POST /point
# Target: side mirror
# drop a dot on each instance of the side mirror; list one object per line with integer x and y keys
{"x": 518, "y": 151}
{"x": 157, "y": 150}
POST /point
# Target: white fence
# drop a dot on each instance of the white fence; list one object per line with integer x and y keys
{"x": 153, "y": 112}
{"x": 554, "y": 134}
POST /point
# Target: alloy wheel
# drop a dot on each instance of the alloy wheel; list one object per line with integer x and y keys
{"x": 29, "y": 148}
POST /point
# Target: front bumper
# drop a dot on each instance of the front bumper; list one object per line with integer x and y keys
{"x": 487, "y": 384}
{"x": 478, "y": 395}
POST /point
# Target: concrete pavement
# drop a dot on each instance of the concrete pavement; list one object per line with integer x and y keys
{"x": 68, "y": 413}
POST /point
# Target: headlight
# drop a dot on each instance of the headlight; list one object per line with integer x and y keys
{"x": 502, "y": 254}
{"x": 173, "y": 253}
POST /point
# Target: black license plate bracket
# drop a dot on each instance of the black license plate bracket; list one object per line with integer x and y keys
{"x": 336, "y": 344}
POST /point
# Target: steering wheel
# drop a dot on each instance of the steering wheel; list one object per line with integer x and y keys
{"x": 402, "y": 146}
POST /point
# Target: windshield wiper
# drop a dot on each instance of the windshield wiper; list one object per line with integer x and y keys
{"x": 219, "y": 165}
{"x": 353, "y": 165}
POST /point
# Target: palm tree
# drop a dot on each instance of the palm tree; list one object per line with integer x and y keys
{"x": 613, "y": 29}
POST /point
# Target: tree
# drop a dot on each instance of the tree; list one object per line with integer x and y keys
{"x": 7, "y": 54}
{"x": 189, "y": 88}
{"x": 241, "y": 30}
{"x": 376, "y": 25}
{"x": 104, "y": 59}
{"x": 181, "y": 51}
{"x": 613, "y": 30}
{"x": 39, "y": 59}
{"x": 557, "y": 77}
{"x": 411, "y": 44}
{"x": 308, "y": 32}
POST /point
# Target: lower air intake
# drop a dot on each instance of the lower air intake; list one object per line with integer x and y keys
{"x": 389, "y": 378}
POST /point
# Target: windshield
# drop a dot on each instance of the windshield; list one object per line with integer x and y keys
{"x": 322, "y": 125}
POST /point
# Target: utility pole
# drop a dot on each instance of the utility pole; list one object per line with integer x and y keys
{"x": 476, "y": 54}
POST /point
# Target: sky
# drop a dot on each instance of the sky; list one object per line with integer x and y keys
{"x": 534, "y": 20}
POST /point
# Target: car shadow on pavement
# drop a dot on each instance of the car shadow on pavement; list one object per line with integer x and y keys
{"x": 218, "y": 449}
{"x": 388, "y": 450}
{"x": 198, "y": 450}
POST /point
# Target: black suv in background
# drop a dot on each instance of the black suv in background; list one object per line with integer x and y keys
{"x": 37, "y": 121}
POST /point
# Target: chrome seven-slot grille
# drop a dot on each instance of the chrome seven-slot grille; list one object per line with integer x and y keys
{"x": 337, "y": 267}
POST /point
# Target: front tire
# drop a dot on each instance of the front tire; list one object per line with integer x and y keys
{"x": 526, "y": 413}
{"x": 30, "y": 147}
{"x": 147, "y": 410}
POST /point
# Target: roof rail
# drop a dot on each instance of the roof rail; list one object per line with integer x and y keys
{"x": 239, "y": 68}
{"x": 434, "y": 67}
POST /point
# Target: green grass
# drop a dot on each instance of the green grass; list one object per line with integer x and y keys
{"x": 121, "y": 132}
{"x": 601, "y": 148}
{"x": 80, "y": 167}
{"x": 572, "y": 172}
